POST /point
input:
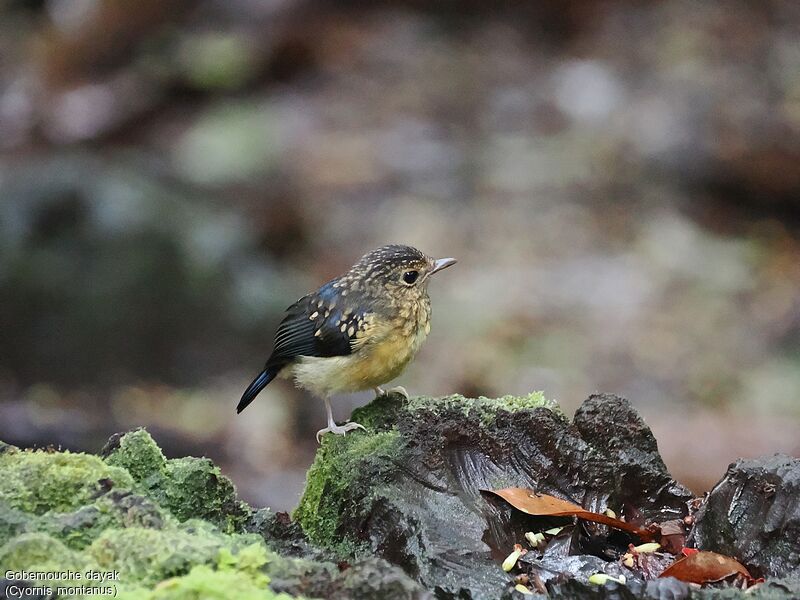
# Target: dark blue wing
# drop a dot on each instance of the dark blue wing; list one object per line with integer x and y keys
{"x": 311, "y": 327}
{"x": 320, "y": 324}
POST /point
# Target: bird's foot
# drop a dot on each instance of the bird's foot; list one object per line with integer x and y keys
{"x": 339, "y": 429}
{"x": 395, "y": 390}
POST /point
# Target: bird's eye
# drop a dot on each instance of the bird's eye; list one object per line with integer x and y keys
{"x": 410, "y": 277}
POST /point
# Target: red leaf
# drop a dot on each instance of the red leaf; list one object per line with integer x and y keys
{"x": 705, "y": 567}
{"x": 544, "y": 505}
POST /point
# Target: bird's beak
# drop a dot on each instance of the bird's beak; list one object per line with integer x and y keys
{"x": 442, "y": 263}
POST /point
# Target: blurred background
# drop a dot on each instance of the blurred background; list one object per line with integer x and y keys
{"x": 620, "y": 181}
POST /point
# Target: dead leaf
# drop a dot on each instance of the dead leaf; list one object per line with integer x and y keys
{"x": 544, "y": 505}
{"x": 705, "y": 567}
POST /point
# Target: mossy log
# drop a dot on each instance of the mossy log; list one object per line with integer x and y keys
{"x": 171, "y": 529}
{"x": 391, "y": 513}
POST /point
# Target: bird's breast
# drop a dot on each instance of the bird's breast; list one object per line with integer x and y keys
{"x": 389, "y": 354}
{"x": 382, "y": 357}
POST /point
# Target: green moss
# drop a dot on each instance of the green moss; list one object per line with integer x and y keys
{"x": 249, "y": 559}
{"x": 126, "y": 509}
{"x": 381, "y": 413}
{"x": 168, "y": 527}
{"x": 384, "y": 412}
{"x": 72, "y": 497}
{"x": 151, "y": 555}
{"x": 342, "y": 462}
{"x": 195, "y": 487}
{"x": 187, "y": 487}
{"x": 204, "y": 583}
{"x": 39, "y": 552}
{"x": 151, "y": 562}
{"x": 12, "y": 522}
{"x": 195, "y": 561}
{"x": 486, "y": 408}
{"x": 139, "y": 454}
{"x": 39, "y": 481}
{"x": 117, "y": 509}
{"x": 76, "y": 530}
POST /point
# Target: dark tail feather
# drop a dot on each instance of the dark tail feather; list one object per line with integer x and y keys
{"x": 258, "y": 384}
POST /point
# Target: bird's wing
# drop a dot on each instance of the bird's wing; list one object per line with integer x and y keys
{"x": 320, "y": 324}
{"x": 316, "y": 325}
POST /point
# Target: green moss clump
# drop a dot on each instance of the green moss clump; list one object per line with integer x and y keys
{"x": 116, "y": 509}
{"x": 384, "y": 412}
{"x": 174, "y": 562}
{"x": 485, "y": 408}
{"x": 342, "y": 462}
{"x": 249, "y": 559}
{"x": 12, "y": 522}
{"x": 187, "y": 487}
{"x": 205, "y": 583}
{"x": 151, "y": 555}
{"x": 168, "y": 527}
{"x": 71, "y": 497}
{"x": 39, "y": 552}
{"x": 195, "y": 487}
{"x": 42, "y": 553}
{"x": 198, "y": 562}
{"x": 76, "y": 529}
{"x": 39, "y": 481}
{"x": 138, "y": 453}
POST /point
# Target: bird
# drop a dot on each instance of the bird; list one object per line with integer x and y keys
{"x": 356, "y": 332}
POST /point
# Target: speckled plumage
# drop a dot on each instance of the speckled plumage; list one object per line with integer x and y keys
{"x": 357, "y": 331}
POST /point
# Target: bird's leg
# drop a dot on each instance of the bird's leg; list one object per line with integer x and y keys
{"x": 332, "y": 426}
{"x": 395, "y": 390}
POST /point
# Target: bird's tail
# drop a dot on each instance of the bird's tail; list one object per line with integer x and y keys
{"x": 258, "y": 384}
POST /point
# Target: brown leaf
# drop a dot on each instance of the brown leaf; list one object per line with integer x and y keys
{"x": 544, "y": 505}
{"x": 705, "y": 567}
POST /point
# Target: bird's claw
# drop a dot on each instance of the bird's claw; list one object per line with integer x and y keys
{"x": 395, "y": 390}
{"x": 339, "y": 429}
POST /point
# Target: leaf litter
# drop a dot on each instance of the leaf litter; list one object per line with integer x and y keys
{"x": 660, "y": 552}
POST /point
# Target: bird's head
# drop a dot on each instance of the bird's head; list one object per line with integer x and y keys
{"x": 396, "y": 271}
